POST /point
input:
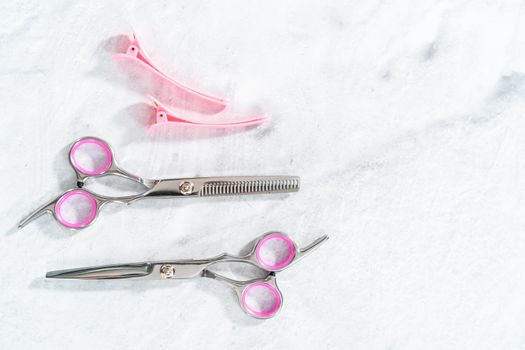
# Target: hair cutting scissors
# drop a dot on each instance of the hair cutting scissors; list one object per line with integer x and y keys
{"x": 78, "y": 207}
{"x": 260, "y": 297}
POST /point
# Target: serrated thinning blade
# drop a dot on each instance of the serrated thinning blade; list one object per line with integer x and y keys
{"x": 262, "y": 185}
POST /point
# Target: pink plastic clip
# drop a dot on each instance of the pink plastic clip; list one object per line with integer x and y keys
{"x": 164, "y": 116}
{"x": 135, "y": 53}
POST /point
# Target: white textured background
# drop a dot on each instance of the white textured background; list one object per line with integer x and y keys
{"x": 405, "y": 120}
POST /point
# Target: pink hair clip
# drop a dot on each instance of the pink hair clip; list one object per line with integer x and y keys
{"x": 164, "y": 116}
{"x": 136, "y": 54}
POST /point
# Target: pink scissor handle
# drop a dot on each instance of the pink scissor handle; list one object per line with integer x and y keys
{"x": 266, "y": 249}
{"x": 163, "y": 116}
{"x": 91, "y": 156}
{"x": 136, "y": 53}
{"x": 76, "y": 209}
{"x": 261, "y": 299}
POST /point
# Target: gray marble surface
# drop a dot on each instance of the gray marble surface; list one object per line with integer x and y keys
{"x": 403, "y": 118}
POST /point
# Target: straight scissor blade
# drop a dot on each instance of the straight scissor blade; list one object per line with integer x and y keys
{"x": 104, "y": 272}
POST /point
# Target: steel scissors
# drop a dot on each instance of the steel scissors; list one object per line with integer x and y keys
{"x": 77, "y": 208}
{"x": 260, "y": 297}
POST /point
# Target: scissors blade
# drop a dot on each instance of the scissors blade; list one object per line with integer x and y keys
{"x": 178, "y": 269}
{"x": 221, "y": 186}
{"x": 104, "y": 272}
{"x": 44, "y": 209}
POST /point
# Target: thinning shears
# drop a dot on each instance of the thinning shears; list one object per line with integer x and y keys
{"x": 78, "y": 207}
{"x": 260, "y": 297}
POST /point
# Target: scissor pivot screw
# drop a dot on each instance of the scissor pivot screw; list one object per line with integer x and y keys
{"x": 167, "y": 271}
{"x": 186, "y": 187}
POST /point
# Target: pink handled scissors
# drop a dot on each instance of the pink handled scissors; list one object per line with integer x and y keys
{"x": 260, "y": 298}
{"x": 77, "y": 208}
